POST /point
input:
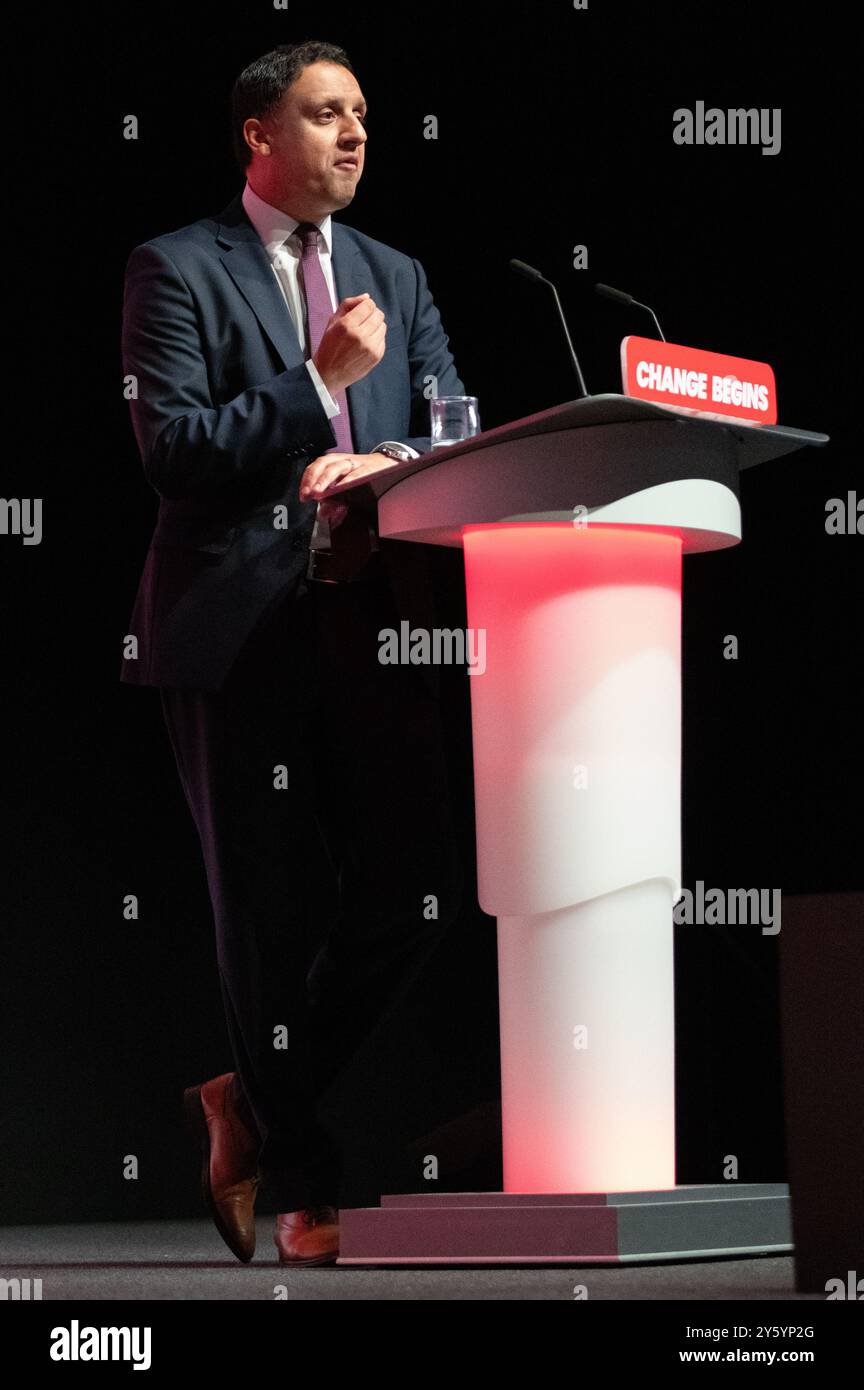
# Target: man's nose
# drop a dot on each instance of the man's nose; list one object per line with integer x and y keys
{"x": 357, "y": 136}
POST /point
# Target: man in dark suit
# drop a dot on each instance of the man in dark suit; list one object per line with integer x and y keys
{"x": 269, "y": 353}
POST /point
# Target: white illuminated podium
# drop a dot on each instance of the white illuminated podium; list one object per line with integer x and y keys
{"x": 574, "y": 523}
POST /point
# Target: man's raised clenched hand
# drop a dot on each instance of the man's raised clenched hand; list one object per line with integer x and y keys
{"x": 352, "y": 343}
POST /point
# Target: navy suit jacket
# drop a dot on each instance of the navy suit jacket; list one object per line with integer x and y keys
{"x": 227, "y": 418}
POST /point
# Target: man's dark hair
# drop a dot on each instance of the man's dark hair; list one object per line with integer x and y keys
{"x": 259, "y": 87}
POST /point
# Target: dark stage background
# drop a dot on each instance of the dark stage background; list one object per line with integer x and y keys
{"x": 555, "y": 129}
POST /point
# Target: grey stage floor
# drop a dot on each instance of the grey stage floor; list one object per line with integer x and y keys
{"x": 187, "y": 1260}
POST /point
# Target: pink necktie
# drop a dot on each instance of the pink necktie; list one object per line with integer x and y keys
{"x": 319, "y": 310}
{"x": 335, "y": 556}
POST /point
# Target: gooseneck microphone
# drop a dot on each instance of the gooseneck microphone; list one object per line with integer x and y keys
{"x": 531, "y": 274}
{"x": 621, "y": 298}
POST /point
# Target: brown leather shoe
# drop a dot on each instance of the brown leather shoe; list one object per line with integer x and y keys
{"x": 229, "y": 1162}
{"x": 308, "y": 1237}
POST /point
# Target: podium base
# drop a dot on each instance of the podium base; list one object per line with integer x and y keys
{"x": 609, "y": 1228}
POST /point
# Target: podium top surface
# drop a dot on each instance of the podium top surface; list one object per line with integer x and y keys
{"x": 754, "y": 444}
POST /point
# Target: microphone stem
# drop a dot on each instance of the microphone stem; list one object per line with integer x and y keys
{"x": 649, "y": 310}
{"x": 578, "y": 370}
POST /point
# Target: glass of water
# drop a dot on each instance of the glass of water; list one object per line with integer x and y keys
{"x": 454, "y": 418}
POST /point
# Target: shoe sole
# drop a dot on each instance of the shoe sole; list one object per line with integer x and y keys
{"x": 196, "y": 1123}
{"x": 313, "y": 1260}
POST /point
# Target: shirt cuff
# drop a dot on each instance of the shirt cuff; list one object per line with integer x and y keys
{"x": 326, "y": 399}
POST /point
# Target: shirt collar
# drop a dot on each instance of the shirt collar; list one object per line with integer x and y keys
{"x": 274, "y": 226}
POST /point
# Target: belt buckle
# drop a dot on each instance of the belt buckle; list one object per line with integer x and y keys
{"x": 315, "y": 570}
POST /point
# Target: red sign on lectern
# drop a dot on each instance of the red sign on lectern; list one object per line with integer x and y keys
{"x": 699, "y": 382}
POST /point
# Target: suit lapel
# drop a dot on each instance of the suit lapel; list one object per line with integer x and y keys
{"x": 246, "y": 261}
{"x": 351, "y": 275}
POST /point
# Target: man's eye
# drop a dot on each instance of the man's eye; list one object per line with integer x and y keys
{"x": 362, "y": 119}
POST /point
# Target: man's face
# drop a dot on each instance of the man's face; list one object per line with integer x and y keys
{"x": 317, "y": 125}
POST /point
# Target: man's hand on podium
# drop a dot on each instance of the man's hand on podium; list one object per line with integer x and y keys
{"x": 329, "y": 469}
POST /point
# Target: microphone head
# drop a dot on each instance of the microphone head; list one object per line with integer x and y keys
{"x": 527, "y": 270}
{"x": 618, "y": 295}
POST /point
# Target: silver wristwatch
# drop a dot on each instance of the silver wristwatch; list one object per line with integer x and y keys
{"x": 392, "y": 449}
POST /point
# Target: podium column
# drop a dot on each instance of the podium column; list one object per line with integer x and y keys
{"x": 577, "y": 762}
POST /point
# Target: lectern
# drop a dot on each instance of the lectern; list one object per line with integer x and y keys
{"x": 574, "y": 523}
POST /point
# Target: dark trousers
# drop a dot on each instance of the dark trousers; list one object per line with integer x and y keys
{"x": 363, "y": 829}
